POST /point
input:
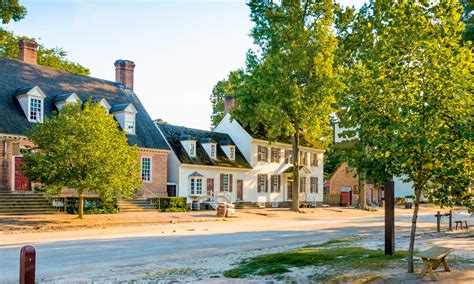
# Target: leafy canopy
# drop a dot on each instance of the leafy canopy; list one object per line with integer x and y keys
{"x": 289, "y": 82}
{"x": 83, "y": 149}
{"x": 50, "y": 57}
{"x": 11, "y": 10}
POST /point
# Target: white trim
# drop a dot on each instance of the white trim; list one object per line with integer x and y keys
{"x": 12, "y": 136}
{"x": 13, "y": 174}
{"x": 260, "y": 141}
{"x": 153, "y": 150}
{"x": 215, "y": 167}
{"x": 151, "y": 168}
{"x": 41, "y": 113}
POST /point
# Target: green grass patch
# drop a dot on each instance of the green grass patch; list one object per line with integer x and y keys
{"x": 336, "y": 242}
{"x": 345, "y": 257}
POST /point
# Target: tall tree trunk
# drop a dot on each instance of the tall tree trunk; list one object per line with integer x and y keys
{"x": 295, "y": 203}
{"x": 411, "y": 248}
{"x": 362, "y": 192}
{"x": 81, "y": 205}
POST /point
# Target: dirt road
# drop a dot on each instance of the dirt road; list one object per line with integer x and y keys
{"x": 192, "y": 249}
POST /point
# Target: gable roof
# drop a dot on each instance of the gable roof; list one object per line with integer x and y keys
{"x": 17, "y": 75}
{"x": 173, "y": 135}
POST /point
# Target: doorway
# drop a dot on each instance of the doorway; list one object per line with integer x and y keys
{"x": 240, "y": 190}
{"x": 21, "y": 181}
{"x": 289, "y": 189}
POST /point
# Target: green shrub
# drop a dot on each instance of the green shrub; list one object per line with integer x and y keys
{"x": 92, "y": 205}
{"x": 170, "y": 204}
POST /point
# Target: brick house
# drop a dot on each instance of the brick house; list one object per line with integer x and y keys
{"x": 29, "y": 93}
{"x": 342, "y": 188}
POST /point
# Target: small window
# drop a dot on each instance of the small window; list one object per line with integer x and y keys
{"x": 275, "y": 183}
{"x": 130, "y": 123}
{"x": 313, "y": 187}
{"x": 262, "y": 183}
{"x": 213, "y": 151}
{"x": 196, "y": 186}
{"x": 36, "y": 110}
{"x": 262, "y": 153}
{"x": 146, "y": 169}
{"x": 276, "y": 155}
{"x": 288, "y": 156}
{"x": 225, "y": 182}
{"x": 302, "y": 184}
{"x": 232, "y": 153}
{"x": 303, "y": 158}
{"x": 314, "y": 159}
{"x": 192, "y": 149}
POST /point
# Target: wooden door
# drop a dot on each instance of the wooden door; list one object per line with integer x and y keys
{"x": 345, "y": 196}
{"x": 289, "y": 189}
{"x": 240, "y": 190}
{"x": 21, "y": 181}
{"x": 171, "y": 190}
{"x": 210, "y": 186}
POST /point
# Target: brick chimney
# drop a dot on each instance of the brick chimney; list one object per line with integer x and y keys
{"x": 28, "y": 51}
{"x": 229, "y": 103}
{"x": 124, "y": 73}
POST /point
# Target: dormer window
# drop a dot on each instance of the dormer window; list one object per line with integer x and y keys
{"x": 32, "y": 102}
{"x": 104, "y": 104}
{"x": 62, "y": 100}
{"x": 130, "y": 123}
{"x": 125, "y": 114}
{"x": 232, "y": 153}
{"x": 192, "y": 149}
{"x": 36, "y": 110}
{"x": 213, "y": 150}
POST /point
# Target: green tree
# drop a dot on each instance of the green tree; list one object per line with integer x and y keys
{"x": 83, "y": 149}
{"x": 159, "y": 120}
{"x": 468, "y": 19}
{"x": 217, "y": 100}
{"x": 409, "y": 94}
{"x": 50, "y": 57}
{"x": 11, "y": 10}
{"x": 287, "y": 88}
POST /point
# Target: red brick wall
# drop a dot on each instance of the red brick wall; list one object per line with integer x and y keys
{"x": 157, "y": 186}
{"x": 343, "y": 177}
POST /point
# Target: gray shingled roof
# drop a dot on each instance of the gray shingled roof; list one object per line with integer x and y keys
{"x": 16, "y": 75}
{"x": 173, "y": 135}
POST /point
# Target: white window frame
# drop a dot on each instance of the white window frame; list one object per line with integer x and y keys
{"x": 195, "y": 186}
{"x": 150, "y": 169}
{"x": 226, "y": 182}
{"x": 275, "y": 184}
{"x": 232, "y": 153}
{"x": 39, "y": 113}
{"x": 129, "y": 120}
{"x": 213, "y": 150}
{"x": 262, "y": 183}
{"x": 192, "y": 148}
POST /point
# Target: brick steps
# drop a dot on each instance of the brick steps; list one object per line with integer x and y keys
{"x": 246, "y": 205}
{"x": 25, "y": 204}
{"x": 135, "y": 205}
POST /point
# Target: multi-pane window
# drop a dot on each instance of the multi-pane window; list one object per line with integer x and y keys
{"x": 275, "y": 183}
{"x": 213, "y": 151}
{"x": 35, "y": 109}
{"x": 262, "y": 183}
{"x": 196, "y": 186}
{"x": 314, "y": 159}
{"x": 288, "y": 156}
{"x": 232, "y": 153}
{"x": 302, "y": 184}
{"x": 262, "y": 153}
{"x": 275, "y": 155}
{"x": 192, "y": 149}
{"x": 313, "y": 187}
{"x": 226, "y": 182}
{"x": 130, "y": 123}
{"x": 146, "y": 169}
{"x": 303, "y": 158}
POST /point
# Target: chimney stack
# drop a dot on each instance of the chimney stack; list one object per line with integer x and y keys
{"x": 124, "y": 73}
{"x": 229, "y": 103}
{"x": 28, "y": 51}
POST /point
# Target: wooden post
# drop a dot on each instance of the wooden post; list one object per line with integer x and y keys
{"x": 438, "y": 221}
{"x": 27, "y": 265}
{"x": 450, "y": 220}
{"x": 389, "y": 196}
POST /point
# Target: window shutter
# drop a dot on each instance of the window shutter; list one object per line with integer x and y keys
{"x": 279, "y": 155}
{"x": 271, "y": 155}
{"x": 222, "y": 182}
{"x": 259, "y": 150}
{"x": 230, "y": 182}
{"x": 286, "y": 156}
{"x": 266, "y": 183}
{"x": 317, "y": 184}
{"x": 266, "y": 154}
{"x": 258, "y": 183}
{"x": 279, "y": 183}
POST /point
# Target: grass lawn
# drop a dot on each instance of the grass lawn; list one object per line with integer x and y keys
{"x": 338, "y": 256}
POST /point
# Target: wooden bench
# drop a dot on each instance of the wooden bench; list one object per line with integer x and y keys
{"x": 460, "y": 222}
{"x": 432, "y": 258}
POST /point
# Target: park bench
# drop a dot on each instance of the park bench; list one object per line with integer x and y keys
{"x": 460, "y": 222}
{"x": 432, "y": 258}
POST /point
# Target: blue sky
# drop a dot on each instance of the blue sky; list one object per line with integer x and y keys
{"x": 181, "y": 48}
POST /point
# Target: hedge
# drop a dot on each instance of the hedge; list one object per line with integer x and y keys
{"x": 91, "y": 206}
{"x": 170, "y": 204}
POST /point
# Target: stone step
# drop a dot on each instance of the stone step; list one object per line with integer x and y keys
{"x": 135, "y": 205}
{"x": 25, "y": 203}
